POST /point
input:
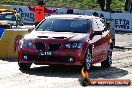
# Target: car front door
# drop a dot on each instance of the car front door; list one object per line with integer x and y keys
{"x": 97, "y": 41}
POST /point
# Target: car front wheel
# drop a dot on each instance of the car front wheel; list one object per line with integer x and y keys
{"x": 88, "y": 56}
{"x": 108, "y": 61}
{"x": 24, "y": 66}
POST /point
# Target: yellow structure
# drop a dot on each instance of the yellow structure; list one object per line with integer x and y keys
{"x": 5, "y": 7}
{"x": 7, "y": 42}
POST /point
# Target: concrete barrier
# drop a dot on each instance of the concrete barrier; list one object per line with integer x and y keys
{"x": 7, "y": 42}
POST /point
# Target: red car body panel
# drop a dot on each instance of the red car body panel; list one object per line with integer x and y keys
{"x": 47, "y": 40}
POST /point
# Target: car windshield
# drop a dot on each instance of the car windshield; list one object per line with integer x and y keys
{"x": 8, "y": 16}
{"x": 64, "y": 25}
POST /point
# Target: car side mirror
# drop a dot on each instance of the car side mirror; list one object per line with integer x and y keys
{"x": 95, "y": 33}
{"x": 107, "y": 25}
{"x": 31, "y": 29}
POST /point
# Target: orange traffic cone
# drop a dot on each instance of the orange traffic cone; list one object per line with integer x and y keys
{"x": 84, "y": 73}
{"x": 84, "y": 81}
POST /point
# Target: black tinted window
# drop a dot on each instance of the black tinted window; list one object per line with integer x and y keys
{"x": 64, "y": 25}
{"x": 8, "y": 17}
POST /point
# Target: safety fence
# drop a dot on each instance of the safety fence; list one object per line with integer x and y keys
{"x": 122, "y": 21}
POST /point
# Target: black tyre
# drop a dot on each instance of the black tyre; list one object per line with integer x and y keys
{"x": 108, "y": 61}
{"x": 87, "y": 64}
{"x": 10, "y": 26}
{"x": 24, "y": 66}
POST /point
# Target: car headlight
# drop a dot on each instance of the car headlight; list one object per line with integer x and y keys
{"x": 25, "y": 43}
{"x": 74, "y": 45}
{"x": 3, "y": 23}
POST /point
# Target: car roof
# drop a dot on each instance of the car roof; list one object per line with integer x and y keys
{"x": 72, "y": 16}
{"x": 7, "y": 13}
{"x": 4, "y": 11}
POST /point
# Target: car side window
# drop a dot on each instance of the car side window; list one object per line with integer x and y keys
{"x": 98, "y": 25}
{"x": 105, "y": 25}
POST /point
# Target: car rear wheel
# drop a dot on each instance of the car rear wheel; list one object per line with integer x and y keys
{"x": 24, "y": 66}
{"x": 108, "y": 61}
{"x": 88, "y": 59}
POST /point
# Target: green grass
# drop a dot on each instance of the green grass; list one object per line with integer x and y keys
{"x": 117, "y": 5}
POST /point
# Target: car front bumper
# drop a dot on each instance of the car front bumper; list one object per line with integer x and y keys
{"x": 62, "y": 57}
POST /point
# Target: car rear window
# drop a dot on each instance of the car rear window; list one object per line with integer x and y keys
{"x": 64, "y": 25}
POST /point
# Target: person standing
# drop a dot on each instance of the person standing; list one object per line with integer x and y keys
{"x": 39, "y": 12}
{"x": 128, "y": 5}
{"x": 102, "y": 4}
{"x": 95, "y": 14}
{"x": 70, "y": 11}
{"x": 108, "y": 5}
{"x": 19, "y": 20}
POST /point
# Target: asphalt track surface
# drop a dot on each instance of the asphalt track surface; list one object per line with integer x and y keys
{"x": 67, "y": 77}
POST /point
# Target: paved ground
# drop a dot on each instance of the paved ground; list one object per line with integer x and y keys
{"x": 67, "y": 77}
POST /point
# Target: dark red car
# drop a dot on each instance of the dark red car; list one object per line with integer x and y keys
{"x": 67, "y": 40}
